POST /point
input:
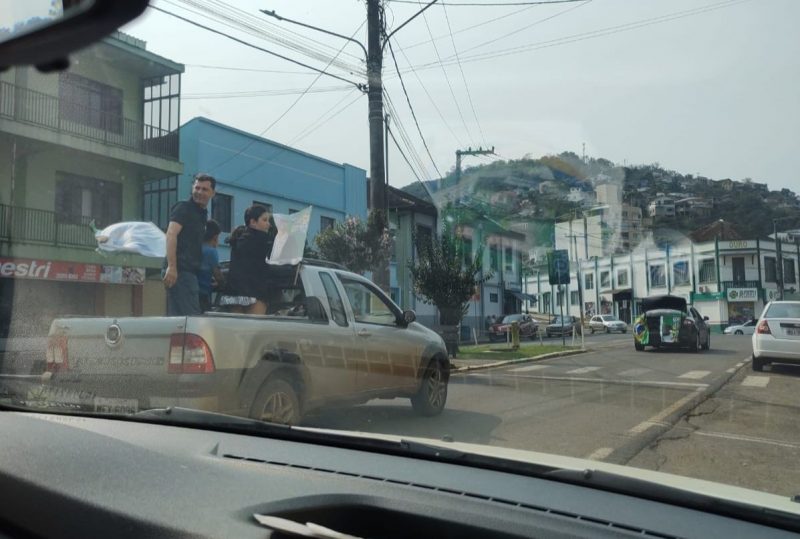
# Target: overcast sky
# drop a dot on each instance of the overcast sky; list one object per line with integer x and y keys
{"x": 711, "y": 92}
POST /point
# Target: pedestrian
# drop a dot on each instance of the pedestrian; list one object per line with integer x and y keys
{"x": 248, "y": 279}
{"x": 185, "y": 233}
{"x": 209, "y": 274}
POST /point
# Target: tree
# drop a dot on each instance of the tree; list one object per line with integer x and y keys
{"x": 444, "y": 276}
{"x": 355, "y": 245}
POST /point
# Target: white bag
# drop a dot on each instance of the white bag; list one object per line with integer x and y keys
{"x": 291, "y": 239}
{"x": 132, "y": 237}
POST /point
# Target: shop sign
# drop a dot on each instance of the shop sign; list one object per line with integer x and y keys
{"x": 742, "y": 294}
{"x": 739, "y": 244}
{"x": 55, "y": 270}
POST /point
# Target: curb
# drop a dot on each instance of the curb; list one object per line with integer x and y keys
{"x": 515, "y": 361}
{"x": 628, "y": 451}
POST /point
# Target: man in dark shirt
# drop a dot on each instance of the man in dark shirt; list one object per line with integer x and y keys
{"x": 187, "y": 226}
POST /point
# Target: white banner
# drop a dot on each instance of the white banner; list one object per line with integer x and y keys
{"x": 291, "y": 239}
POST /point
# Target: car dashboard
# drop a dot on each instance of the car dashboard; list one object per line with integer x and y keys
{"x": 71, "y": 476}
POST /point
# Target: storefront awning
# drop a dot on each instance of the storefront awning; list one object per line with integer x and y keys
{"x": 522, "y": 296}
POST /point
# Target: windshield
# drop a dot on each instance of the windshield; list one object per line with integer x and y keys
{"x": 224, "y": 210}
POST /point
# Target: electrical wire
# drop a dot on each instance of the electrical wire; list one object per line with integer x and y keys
{"x": 494, "y": 4}
{"x": 263, "y": 93}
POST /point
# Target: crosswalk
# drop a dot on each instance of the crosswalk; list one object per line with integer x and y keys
{"x": 691, "y": 378}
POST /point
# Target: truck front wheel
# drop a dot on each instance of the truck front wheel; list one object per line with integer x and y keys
{"x": 432, "y": 395}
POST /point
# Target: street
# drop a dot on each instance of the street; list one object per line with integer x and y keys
{"x": 704, "y": 415}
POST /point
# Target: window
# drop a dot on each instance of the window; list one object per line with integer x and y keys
{"x": 509, "y": 259}
{"x": 159, "y": 198}
{"x": 657, "y": 276}
{"x": 161, "y": 105}
{"x": 788, "y": 271}
{"x": 547, "y": 299}
{"x": 334, "y": 300}
{"x": 737, "y": 263}
{"x": 680, "y": 273}
{"x": 573, "y": 298}
{"x": 494, "y": 258}
{"x": 221, "y": 210}
{"x": 708, "y": 270}
{"x": 622, "y": 278}
{"x": 423, "y": 235}
{"x": 265, "y": 204}
{"x": 770, "y": 270}
{"x": 326, "y": 222}
{"x": 90, "y": 103}
{"x": 605, "y": 279}
{"x": 368, "y": 306}
{"x": 588, "y": 281}
{"x": 493, "y": 297}
{"x": 80, "y": 200}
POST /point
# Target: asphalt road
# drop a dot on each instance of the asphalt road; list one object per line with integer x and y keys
{"x": 703, "y": 415}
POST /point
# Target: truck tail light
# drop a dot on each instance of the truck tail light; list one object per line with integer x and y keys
{"x": 763, "y": 328}
{"x": 57, "y": 357}
{"x": 189, "y": 354}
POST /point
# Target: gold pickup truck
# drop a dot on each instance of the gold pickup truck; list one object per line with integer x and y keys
{"x": 336, "y": 339}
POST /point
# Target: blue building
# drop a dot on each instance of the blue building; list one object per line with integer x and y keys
{"x": 251, "y": 169}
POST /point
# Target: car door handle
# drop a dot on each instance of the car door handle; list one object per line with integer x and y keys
{"x": 364, "y": 333}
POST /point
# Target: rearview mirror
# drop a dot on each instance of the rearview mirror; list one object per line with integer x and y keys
{"x": 705, "y": 318}
{"x": 409, "y": 316}
{"x": 42, "y": 34}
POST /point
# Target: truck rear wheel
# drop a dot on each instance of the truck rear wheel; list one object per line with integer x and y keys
{"x": 432, "y": 395}
{"x": 277, "y": 402}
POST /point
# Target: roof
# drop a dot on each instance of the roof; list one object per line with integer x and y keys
{"x": 403, "y": 200}
{"x": 721, "y": 229}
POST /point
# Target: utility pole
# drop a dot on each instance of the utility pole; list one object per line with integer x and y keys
{"x": 377, "y": 171}
{"x": 469, "y": 151}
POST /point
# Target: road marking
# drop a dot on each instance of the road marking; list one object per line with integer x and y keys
{"x": 755, "y": 381}
{"x": 584, "y": 370}
{"x": 744, "y": 438}
{"x": 659, "y": 418}
{"x": 633, "y": 372}
{"x": 601, "y": 453}
{"x": 695, "y": 375}
{"x": 625, "y": 382}
{"x": 530, "y": 368}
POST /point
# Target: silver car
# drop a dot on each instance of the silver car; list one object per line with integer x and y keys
{"x": 777, "y": 335}
{"x": 748, "y": 328}
{"x": 607, "y": 323}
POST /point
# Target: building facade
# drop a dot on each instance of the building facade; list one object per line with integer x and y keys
{"x": 78, "y": 146}
{"x": 253, "y": 170}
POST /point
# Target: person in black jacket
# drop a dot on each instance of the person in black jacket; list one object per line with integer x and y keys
{"x": 251, "y": 245}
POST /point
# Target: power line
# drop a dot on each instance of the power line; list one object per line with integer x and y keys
{"x": 279, "y": 118}
{"x": 463, "y": 77}
{"x": 588, "y": 35}
{"x": 399, "y": 149}
{"x": 252, "y": 69}
{"x": 322, "y": 120}
{"x": 414, "y": 114}
{"x": 405, "y": 137}
{"x": 263, "y": 93}
{"x": 243, "y": 42}
{"x": 444, "y": 71}
{"x": 494, "y": 4}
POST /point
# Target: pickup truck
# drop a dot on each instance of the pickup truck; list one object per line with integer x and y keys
{"x": 329, "y": 337}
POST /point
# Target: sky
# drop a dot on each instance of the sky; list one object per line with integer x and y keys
{"x": 706, "y": 87}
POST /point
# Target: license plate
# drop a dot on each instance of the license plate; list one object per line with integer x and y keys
{"x": 116, "y": 406}
{"x": 794, "y": 332}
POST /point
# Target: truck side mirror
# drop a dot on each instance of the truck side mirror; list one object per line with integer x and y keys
{"x": 409, "y": 316}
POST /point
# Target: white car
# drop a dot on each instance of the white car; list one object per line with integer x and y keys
{"x": 607, "y": 323}
{"x": 777, "y": 335}
{"x": 748, "y": 328}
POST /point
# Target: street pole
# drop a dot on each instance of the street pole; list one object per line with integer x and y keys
{"x": 377, "y": 172}
{"x": 778, "y": 259}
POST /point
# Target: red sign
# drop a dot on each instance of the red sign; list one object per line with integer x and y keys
{"x": 55, "y": 270}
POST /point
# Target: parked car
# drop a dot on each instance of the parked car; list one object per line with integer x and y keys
{"x": 748, "y": 328}
{"x": 568, "y": 325}
{"x": 607, "y": 323}
{"x": 669, "y": 322}
{"x": 777, "y": 335}
{"x": 528, "y": 327}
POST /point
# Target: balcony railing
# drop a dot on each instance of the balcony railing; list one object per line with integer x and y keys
{"x": 44, "y": 110}
{"x": 741, "y": 284}
{"x": 28, "y": 225}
